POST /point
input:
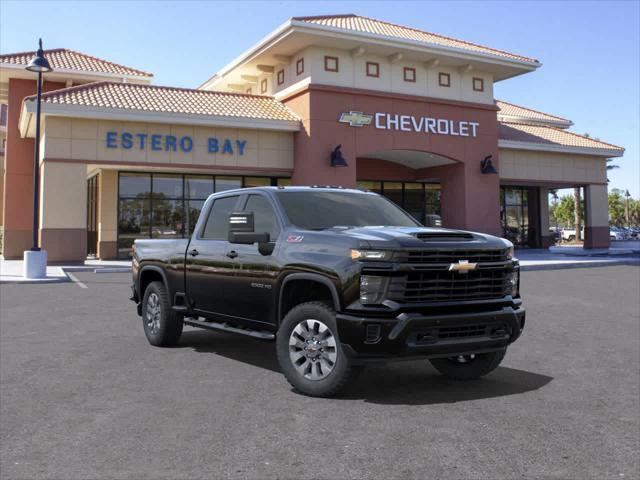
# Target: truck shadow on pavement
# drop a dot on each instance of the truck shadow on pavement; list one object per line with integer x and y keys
{"x": 410, "y": 382}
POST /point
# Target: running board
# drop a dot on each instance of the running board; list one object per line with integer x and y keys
{"x": 262, "y": 335}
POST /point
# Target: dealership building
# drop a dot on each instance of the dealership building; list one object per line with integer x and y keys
{"x": 333, "y": 100}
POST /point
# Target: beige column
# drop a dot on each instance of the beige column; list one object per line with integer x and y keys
{"x": 63, "y": 211}
{"x": 108, "y": 214}
{"x": 596, "y": 217}
{"x": 546, "y": 240}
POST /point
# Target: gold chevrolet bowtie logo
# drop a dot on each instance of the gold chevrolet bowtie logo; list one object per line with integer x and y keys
{"x": 356, "y": 119}
{"x": 463, "y": 266}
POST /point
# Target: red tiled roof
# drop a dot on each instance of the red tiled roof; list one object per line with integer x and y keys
{"x": 370, "y": 25}
{"x": 152, "y": 98}
{"x": 513, "y": 110}
{"x": 65, "y": 59}
{"x": 544, "y": 135}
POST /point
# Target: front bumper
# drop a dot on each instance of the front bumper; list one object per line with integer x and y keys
{"x": 409, "y": 334}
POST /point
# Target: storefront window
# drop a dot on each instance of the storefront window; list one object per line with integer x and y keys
{"x": 514, "y": 214}
{"x": 228, "y": 183}
{"x": 168, "y": 205}
{"x": 417, "y": 198}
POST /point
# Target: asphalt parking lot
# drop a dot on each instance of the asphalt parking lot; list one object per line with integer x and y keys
{"x": 84, "y": 396}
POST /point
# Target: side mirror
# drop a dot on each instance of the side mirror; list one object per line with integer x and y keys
{"x": 433, "y": 221}
{"x": 241, "y": 229}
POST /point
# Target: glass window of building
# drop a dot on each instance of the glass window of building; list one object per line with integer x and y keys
{"x": 162, "y": 205}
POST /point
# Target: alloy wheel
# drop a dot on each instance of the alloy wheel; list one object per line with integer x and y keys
{"x": 153, "y": 312}
{"x": 313, "y": 349}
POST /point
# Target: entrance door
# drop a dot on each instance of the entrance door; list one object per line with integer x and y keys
{"x": 92, "y": 216}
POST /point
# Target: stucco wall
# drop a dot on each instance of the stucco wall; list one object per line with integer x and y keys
{"x": 352, "y": 73}
{"x": 551, "y": 167}
{"x": 85, "y": 140}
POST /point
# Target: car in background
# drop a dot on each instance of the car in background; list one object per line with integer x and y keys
{"x": 618, "y": 234}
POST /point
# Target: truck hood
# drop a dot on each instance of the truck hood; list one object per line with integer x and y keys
{"x": 419, "y": 237}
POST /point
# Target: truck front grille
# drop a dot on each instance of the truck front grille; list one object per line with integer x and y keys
{"x": 452, "y": 256}
{"x": 442, "y": 285}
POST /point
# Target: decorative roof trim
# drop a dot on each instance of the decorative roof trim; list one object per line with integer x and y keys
{"x": 545, "y": 147}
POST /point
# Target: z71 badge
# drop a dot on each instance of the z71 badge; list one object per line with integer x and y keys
{"x": 295, "y": 238}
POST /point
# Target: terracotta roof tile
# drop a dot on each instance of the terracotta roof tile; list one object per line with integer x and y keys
{"x": 513, "y": 110}
{"x": 153, "y": 98}
{"x": 370, "y": 25}
{"x": 65, "y": 59}
{"x": 517, "y": 132}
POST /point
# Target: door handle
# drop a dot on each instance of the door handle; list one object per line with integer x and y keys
{"x": 194, "y": 253}
{"x": 232, "y": 254}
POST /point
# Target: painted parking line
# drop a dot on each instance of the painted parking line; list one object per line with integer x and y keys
{"x": 75, "y": 280}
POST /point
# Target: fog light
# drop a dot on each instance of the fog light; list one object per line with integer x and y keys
{"x": 372, "y": 289}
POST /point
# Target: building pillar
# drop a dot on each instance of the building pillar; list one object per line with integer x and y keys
{"x": 312, "y": 149}
{"x": 546, "y": 239}
{"x": 63, "y": 211}
{"x": 469, "y": 200}
{"x": 18, "y": 174}
{"x": 596, "y": 217}
{"x": 108, "y": 215}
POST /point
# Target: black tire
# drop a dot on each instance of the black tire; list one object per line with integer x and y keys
{"x": 161, "y": 324}
{"x": 341, "y": 372}
{"x": 571, "y": 238}
{"x": 472, "y": 368}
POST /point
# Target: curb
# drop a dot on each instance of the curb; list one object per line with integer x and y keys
{"x": 566, "y": 266}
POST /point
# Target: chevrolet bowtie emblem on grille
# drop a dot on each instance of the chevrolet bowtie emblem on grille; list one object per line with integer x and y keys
{"x": 356, "y": 119}
{"x": 463, "y": 266}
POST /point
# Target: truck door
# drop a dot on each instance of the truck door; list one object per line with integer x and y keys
{"x": 208, "y": 268}
{"x": 252, "y": 290}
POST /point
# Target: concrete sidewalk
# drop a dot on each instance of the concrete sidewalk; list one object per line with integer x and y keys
{"x": 11, "y": 270}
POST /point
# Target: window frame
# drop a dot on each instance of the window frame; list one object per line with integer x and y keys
{"x": 407, "y": 70}
{"x": 327, "y": 59}
{"x": 444, "y": 75}
{"x": 480, "y": 81}
{"x": 264, "y": 85}
{"x": 300, "y": 66}
{"x": 377, "y": 67}
{"x": 203, "y": 226}
{"x": 276, "y": 211}
{"x": 280, "y": 76}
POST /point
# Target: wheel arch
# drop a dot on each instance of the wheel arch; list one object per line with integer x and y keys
{"x": 148, "y": 274}
{"x": 303, "y": 278}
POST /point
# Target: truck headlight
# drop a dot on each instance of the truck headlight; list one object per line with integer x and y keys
{"x": 510, "y": 253}
{"x": 514, "y": 282}
{"x": 373, "y": 289}
{"x": 369, "y": 254}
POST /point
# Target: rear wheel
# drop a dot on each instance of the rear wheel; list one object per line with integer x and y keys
{"x": 161, "y": 324}
{"x": 309, "y": 351}
{"x": 468, "y": 367}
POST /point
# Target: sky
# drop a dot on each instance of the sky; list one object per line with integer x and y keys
{"x": 590, "y": 51}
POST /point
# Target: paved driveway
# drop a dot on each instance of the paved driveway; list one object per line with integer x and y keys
{"x": 84, "y": 396}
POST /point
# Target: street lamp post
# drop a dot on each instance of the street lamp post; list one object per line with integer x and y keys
{"x": 626, "y": 208}
{"x": 35, "y": 260}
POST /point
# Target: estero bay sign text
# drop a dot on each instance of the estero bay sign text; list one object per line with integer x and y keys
{"x": 171, "y": 143}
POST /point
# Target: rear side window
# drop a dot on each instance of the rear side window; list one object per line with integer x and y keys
{"x": 217, "y": 226}
{"x": 264, "y": 216}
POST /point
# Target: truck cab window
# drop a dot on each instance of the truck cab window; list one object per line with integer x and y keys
{"x": 217, "y": 226}
{"x": 264, "y": 216}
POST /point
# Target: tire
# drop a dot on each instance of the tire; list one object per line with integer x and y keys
{"x": 323, "y": 369}
{"x": 468, "y": 367}
{"x": 161, "y": 324}
{"x": 571, "y": 238}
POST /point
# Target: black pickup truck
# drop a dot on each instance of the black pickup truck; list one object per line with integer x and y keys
{"x": 337, "y": 278}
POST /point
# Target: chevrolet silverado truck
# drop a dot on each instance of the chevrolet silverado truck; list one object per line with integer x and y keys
{"x": 337, "y": 278}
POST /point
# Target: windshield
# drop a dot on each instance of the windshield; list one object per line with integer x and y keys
{"x": 321, "y": 210}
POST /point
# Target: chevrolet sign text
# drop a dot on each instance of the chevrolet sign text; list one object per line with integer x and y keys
{"x": 438, "y": 126}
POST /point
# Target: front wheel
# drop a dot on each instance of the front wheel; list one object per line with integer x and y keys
{"x": 162, "y": 326}
{"x": 468, "y": 367}
{"x": 309, "y": 351}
